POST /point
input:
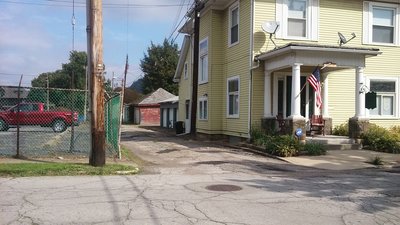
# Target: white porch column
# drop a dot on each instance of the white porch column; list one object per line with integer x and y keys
{"x": 360, "y": 96}
{"x": 267, "y": 94}
{"x": 296, "y": 91}
{"x": 325, "y": 98}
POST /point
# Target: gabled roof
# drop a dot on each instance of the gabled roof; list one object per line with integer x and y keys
{"x": 156, "y": 97}
{"x": 171, "y": 100}
{"x": 182, "y": 58}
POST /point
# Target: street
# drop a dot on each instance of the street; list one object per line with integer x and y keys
{"x": 199, "y": 182}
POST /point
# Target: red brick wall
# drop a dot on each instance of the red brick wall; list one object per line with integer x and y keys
{"x": 150, "y": 115}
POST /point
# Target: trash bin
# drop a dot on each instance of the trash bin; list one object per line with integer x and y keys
{"x": 180, "y": 127}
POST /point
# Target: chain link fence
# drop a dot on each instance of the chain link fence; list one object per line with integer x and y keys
{"x": 43, "y": 122}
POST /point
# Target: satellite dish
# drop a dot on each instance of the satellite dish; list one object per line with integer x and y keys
{"x": 343, "y": 40}
{"x": 270, "y": 27}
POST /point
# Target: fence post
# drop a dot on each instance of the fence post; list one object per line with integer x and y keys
{"x": 19, "y": 101}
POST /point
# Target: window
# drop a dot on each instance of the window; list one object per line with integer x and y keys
{"x": 298, "y": 19}
{"x": 185, "y": 71}
{"x": 234, "y": 24}
{"x": 385, "y": 97}
{"x": 380, "y": 23}
{"x": 203, "y": 108}
{"x": 203, "y": 61}
{"x": 233, "y": 97}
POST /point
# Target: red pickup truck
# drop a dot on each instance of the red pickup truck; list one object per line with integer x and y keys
{"x": 34, "y": 113}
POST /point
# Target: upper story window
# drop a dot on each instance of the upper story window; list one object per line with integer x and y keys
{"x": 380, "y": 23}
{"x": 185, "y": 71}
{"x": 234, "y": 24}
{"x": 233, "y": 97}
{"x": 203, "y": 61}
{"x": 298, "y": 19}
{"x": 385, "y": 97}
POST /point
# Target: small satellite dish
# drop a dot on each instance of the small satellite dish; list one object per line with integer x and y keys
{"x": 343, "y": 40}
{"x": 270, "y": 27}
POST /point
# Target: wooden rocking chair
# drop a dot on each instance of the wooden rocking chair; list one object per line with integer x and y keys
{"x": 317, "y": 123}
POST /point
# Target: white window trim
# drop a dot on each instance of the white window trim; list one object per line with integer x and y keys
{"x": 185, "y": 71}
{"x": 396, "y": 107}
{"x": 203, "y": 99}
{"x": 227, "y": 97}
{"x": 312, "y": 28}
{"x": 201, "y": 54}
{"x": 368, "y": 19}
{"x": 233, "y": 6}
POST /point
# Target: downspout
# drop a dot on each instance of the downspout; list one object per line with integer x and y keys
{"x": 251, "y": 68}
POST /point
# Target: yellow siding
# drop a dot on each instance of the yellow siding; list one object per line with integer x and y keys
{"x": 237, "y": 64}
{"x": 185, "y": 87}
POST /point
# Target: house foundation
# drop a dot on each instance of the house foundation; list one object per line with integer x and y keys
{"x": 358, "y": 126}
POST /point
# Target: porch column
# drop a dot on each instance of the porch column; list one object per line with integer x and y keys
{"x": 267, "y": 94}
{"x": 296, "y": 90}
{"x": 360, "y": 95}
{"x": 325, "y": 99}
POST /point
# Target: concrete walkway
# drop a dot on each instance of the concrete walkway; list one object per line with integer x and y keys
{"x": 345, "y": 160}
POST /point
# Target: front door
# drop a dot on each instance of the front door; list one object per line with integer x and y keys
{"x": 283, "y": 96}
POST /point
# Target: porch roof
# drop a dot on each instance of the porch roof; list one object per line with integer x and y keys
{"x": 314, "y": 54}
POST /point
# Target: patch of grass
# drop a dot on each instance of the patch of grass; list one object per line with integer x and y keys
{"x": 62, "y": 169}
{"x": 376, "y": 161}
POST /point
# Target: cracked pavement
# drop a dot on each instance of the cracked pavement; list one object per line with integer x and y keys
{"x": 173, "y": 190}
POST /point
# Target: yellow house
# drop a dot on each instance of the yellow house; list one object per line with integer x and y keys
{"x": 255, "y": 57}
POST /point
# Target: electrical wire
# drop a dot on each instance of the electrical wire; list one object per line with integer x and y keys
{"x": 82, "y": 4}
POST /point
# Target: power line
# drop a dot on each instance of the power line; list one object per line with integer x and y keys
{"x": 82, "y": 4}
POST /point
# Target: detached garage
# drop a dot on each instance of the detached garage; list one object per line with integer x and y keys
{"x": 149, "y": 107}
{"x": 169, "y": 112}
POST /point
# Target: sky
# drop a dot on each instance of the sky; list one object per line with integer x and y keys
{"x": 36, "y": 35}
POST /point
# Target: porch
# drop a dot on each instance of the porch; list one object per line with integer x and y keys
{"x": 289, "y": 99}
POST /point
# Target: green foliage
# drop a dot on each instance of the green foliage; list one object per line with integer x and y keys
{"x": 313, "y": 148}
{"x": 380, "y": 139}
{"x": 63, "y": 78}
{"x": 282, "y": 145}
{"x": 341, "y": 130}
{"x": 376, "y": 161}
{"x": 158, "y": 67}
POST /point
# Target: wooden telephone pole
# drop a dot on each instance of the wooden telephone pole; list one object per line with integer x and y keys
{"x": 197, "y": 8}
{"x": 96, "y": 68}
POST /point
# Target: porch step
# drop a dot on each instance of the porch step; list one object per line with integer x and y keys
{"x": 336, "y": 142}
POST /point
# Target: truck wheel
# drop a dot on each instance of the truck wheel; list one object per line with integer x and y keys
{"x": 59, "y": 126}
{"x": 3, "y": 125}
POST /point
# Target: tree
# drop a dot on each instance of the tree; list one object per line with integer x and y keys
{"x": 62, "y": 78}
{"x": 158, "y": 66}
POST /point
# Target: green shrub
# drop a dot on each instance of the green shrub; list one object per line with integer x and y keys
{"x": 313, "y": 148}
{"x": 379, "y": 139}
{"x": 257, "y": 135}
{"x": 282, "y": 145}
{"x": 341, "y": 130}
{"x": 395, "y": 131}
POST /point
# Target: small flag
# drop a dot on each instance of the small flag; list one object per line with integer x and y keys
{"x": 314, "y": 80}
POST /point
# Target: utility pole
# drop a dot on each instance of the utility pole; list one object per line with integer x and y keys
{"x": 96, "y": 67}
{"x": 198, "y": 6}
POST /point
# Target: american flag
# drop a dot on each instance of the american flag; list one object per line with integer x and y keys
{"x": 314, "y": 80}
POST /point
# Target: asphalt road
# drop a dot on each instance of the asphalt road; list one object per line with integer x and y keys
{"x": 192, "y": 182}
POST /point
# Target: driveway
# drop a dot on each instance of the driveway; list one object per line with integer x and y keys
{"x": 191, "y": 182}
